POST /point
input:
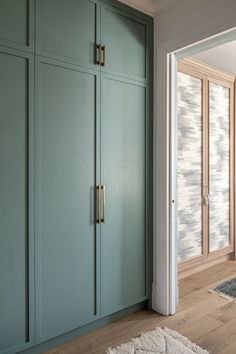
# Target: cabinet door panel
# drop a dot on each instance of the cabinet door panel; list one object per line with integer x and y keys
{"x": 14, "y": 326}
{"x": 14, "y": 21}
{"x": 124, "y": 38}
{"x": 123, "y": 173}
{"x": 66, "y": 230}
{"x": 67, "y": 28}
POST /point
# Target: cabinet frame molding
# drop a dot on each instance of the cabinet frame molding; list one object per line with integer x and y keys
{"x": 209, "y": 75}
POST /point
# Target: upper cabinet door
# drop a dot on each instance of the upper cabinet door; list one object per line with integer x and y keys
{"x": 125, "y": 38}
{"x": 16, "y": 23}
{"x": 67, "y": 30}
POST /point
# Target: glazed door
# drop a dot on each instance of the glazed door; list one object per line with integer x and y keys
{"x": 205, "y": 164}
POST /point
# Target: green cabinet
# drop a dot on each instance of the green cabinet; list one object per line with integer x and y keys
{"x": 69, "y": 124}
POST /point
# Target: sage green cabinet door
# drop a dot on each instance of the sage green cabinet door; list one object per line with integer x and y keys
{"x": 14, "y": 296}
{"x": 14, "y": 21}
{"x": 67, "y": 29}
{"x": 124, "y": 37}
{"x": 123, "y": 242}
{"x": 66, "y": 172}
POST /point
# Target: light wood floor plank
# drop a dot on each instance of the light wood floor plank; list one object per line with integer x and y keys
{"x": 207, "y": 319}
{"x": 217, "y": 340}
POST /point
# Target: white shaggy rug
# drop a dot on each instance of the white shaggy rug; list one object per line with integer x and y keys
{"x": 158, "y": 341}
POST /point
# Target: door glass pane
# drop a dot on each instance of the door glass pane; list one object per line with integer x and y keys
{"x": 189, "y": 167}
{"x": 219, "y": 166}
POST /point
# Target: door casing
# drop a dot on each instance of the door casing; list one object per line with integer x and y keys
{"x": 165, "y": 294}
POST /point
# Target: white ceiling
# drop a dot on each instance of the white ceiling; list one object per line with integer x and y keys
{"x": 222, "y": 57}
{"x": 150, "y": 7}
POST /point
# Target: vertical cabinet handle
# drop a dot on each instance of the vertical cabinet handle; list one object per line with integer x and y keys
{"x": 103, "y": 189}
{"x": 100, "y": 190}
{"x": 103, "y": 48}
{"x": 98, "y": 54}
{"x": 98, "y": 203}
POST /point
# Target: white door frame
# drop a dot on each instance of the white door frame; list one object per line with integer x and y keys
{"x": 165, "y": 279}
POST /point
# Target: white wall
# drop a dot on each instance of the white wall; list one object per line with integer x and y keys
{"x": 181, "y": 25}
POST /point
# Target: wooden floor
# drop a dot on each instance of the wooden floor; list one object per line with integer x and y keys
{"x": 204, "y": 318}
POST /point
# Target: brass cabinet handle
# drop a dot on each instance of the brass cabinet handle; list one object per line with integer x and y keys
{"x": 100, "y": 189}
{"x": 103, "y": 48}
{"x": 99, "y": 49}
{"x": 100, "y": 55}
{"x": 98, "y": 203}
{"x": 103, "y": 189}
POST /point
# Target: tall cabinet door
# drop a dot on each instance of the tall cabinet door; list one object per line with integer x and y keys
{"x": 16, "y": 175}
{"x": 123, "y": 173}
{"x": 66, "y": 179}
{"x": 123, "y": 166}
{"x": 15, "y": 238}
